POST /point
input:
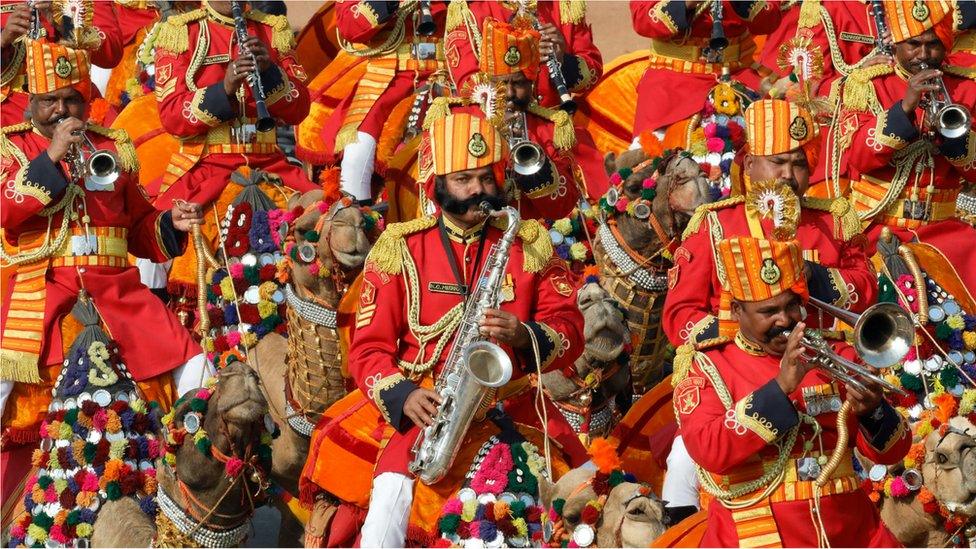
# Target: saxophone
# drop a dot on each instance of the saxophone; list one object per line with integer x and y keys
{"x": 474, "y": 367}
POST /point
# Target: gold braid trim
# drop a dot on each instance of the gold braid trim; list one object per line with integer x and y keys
{"x": 536, "y": 245}
{"x": 846, "y": 221}
{"x": 572, "y": 11}
{"x": 440, "y": 108}
{"x": 173, "y": 35}
{"x": 386, "y": 253}
{"x": 563, "y": 136}
{"x": 16, "y": 128}
{"x": 696, "y": 220}
{"x": 457, "y": 13}
{"x": 282, "y": 38}
{"x": 859, "y": 92}
{"x": 126, "y": 151}
{"x": 962, "y": 72}
{"x": 809, "y": 14}
{"x": 683, "y": 357}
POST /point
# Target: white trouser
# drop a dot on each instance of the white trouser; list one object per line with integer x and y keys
{"x": 186, "y": 377}
{"x": 356, "y": 172}
{"x": 389, "y": 511}
{"x": 681, "y": 481}
{"x": 192, "y": 374}
{"x": 153, "y": 275}
{"x": 99, "y": 77}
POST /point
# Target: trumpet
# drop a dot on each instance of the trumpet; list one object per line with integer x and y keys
{"x": 950, "y": 119}
{"x": 97, "y": 167}
{"x": 525, "y": 156}
{"x": 883, "y": 335}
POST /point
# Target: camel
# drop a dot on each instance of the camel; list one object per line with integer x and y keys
{"x": 631, "y": 516}
{"x": 235, "y": 419}
{"x": 949, "y": 472}
{"x": 307, "y": 365}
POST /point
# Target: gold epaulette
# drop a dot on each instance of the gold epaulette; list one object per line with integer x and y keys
{"x": 809, "y": 14}
{"x": 457, "y": 12}
{"x": 124, "y": 148}
{"x": 16, "y": 128}
{"x": 282, "y": 38}
{"x": 685, "y": 355}
{"x": 536, "y": 245}
{"x": 962, "y": 72}
{"x": 173, "y": 35}
{"x": 386, "y": 253}
{"x": 563, "y": 135}
{"x": 572, "y": 11}
{"x": 6, "y": 147}
{"x": 440, "y": 108}
{"x": 858, "y": 90}
{"x": 845, "y": 217}
{"x": 696, "y": 220}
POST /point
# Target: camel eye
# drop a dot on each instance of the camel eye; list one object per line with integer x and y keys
{"x": 941, "y": 458}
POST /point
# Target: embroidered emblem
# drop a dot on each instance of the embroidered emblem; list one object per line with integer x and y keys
{"x": 769, "y": 273}
{"x": 367, "y": 304}
{"x": 477, "y": 146}
{"x": 512, "y": 56}
{"x": 62, "y": 67}
{"x": 507, "y": 290}
{"x": 682, "y": 253}
{"x": 687, "y": 395}
{"x": 799, "y": 129}
{"x": 673, "y": 277}
{"x": 164, "y": 73}
{"x": 777, "y": 202}
{"x": 368, "y": 295}
{"x": 561, "y": 285}
{"x": 920, "y": 11}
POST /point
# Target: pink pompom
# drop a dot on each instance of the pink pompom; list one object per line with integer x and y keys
{"x": 710, "y": 129}
{"x": 650, "y": 183}
{"x": 234, "y": 467}
{"x": 911, "y": 354}
{"x": 715, "y": 144}
{"x": 100, "y": 419}
{"x": 474, "y": 529}
{"x": 452, "y": 506}
{"x": 313, "y": 268}
{"x": 90, "y": 484}
{"x": 621, "y": 205}
{"x": 708, "y": 109}
{"x": 898, "y": 488}
{"x": 17, "y": 531}
{"x": 323, "y": 207}
{"x": 57, "y": 534}
{"x": 204, "y": 394}
{"x": 43, "y": 430}
{"x": 572, "y": 544}
{"x": 50, "y": 495}
{"x": 237, "y": 270}
{"x": 233, "y": 339}
{"x": 726, "y": 192}
{"x": 615, "y": 179}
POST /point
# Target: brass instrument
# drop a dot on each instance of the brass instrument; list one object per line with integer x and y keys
{"x": 883, "y": 335}
{"x": 97, "y": 167}
{"x": 474, "y": 367}
{"x": 950, "y": 119}
{"x": 525, "y": 156}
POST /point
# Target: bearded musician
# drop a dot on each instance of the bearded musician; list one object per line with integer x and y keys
{"x": 417, "y": 279}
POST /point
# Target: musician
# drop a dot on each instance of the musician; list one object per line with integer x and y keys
{"x": 905, "y": 179}
{"x": 74, "y": 235}
{"x": 751, "y": 409}
{"x": 681, "y": 71}
{"x": 782, "y": 143}
{"x": 394, "y": 71}
{"x": 510, "y": 57}
{"x": 100, "y": 36}
{"x": 564, "y": 34}
{"x": 205, "y": 100}
{"x": 415, "y": 282}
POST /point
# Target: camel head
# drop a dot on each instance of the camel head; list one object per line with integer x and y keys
{"x": 604, "y": 327}
{"x": 949, "y": 470}
{"x": 681, "y": 187}
{"x": 631, "y": 517}
{"x": 342, "y": 241}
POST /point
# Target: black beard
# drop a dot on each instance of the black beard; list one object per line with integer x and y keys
{"x": 451, "y": 204}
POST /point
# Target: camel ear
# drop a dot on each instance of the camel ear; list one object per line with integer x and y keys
{"x": 610, "y": 163}
{"x": 294, "y": 200}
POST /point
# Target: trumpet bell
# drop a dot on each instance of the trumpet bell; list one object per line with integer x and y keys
{"x": 883, "y": 335}
{"x": 488, "y": 363}
{"x": 103, "y": 168}
{"x": 954, "y": 121}
{"x": 527, "y": 158}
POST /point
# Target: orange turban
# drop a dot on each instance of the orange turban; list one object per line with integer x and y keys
{"x": 910, "y": 18}
{"x": 758, "y": 269}
{"x": 774, "y": 126}
{"x": 51, "y": 66}
{"x": 505, "y": 49}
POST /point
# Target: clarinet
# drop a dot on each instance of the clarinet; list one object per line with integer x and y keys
{"x": 718, "y": 42}
{"x": 426, "y": 26}
{"x": 265, "y": 122}
{"x": 877, "y": 10}
{"x": 556, "y": 77}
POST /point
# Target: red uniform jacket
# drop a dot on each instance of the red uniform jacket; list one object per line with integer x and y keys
{"x": 882, "y": 141}
{"x": 582, "y": 64}
{"x": 840, "y": 272}
{"x": 732, "y": 411}
{"x": 150, "y": 337}
{"x": 538, "y": 288}
{"x": 193, "y": 52}
{"x": 678, "y": 79}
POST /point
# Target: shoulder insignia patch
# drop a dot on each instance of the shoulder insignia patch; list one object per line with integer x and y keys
{"x": 560, "y": 282}
{"x": 687, "y": 395}
{"x": 367, "y": 304}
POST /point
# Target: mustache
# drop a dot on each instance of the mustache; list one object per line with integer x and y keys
{"x": 777, "y": 331}
{"x": 460, "y": 207}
